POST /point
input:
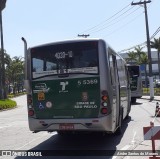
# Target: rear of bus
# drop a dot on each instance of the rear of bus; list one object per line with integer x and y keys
{"x": 136, "y": 82}
{"x": 66, "y": 93}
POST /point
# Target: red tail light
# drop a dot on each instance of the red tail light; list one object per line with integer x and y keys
{"x": 29, "y": 99}
{"x": 30, "y": 112}
{"x": 30, "y": 105}
{"x": 105, "y": 102}
{"x": 104, "y": 97}
{"x": 104, "y": 111}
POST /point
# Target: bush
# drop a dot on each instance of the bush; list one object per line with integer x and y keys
{"x": 7, "y": 103}
{"x": 11, "y": 95}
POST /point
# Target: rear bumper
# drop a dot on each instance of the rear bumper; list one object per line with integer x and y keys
{"x": 94, "y": 124}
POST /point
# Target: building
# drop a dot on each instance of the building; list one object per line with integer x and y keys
{"x": 154, "y": 55}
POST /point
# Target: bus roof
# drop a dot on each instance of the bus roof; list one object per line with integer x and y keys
{"x": 69, "y": 41}
{"x": 78, "y": 40}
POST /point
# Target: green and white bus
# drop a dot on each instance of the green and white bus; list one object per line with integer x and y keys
{"x": 136, "y": 81}
{"x": 76, "y": 85}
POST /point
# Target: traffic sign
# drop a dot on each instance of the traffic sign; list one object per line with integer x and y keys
{"x": 151, "y": 133}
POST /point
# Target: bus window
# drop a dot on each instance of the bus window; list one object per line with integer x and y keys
{"x": 66, "y": 58}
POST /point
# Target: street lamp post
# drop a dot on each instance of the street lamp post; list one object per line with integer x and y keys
{"x": 2, "y": 83}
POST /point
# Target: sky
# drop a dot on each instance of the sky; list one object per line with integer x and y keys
{"x": 119, "y": 23}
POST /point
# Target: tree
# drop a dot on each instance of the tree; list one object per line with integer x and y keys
{"x": 139, "y": 53}
{"x": 7, "y": 61}
{"x": 7, "y": 58}
{"x": 156, "y": 45}
{"x": 14, "y": 73}
{"x": 132, "y": 57}
{"x": 138, "y": 57}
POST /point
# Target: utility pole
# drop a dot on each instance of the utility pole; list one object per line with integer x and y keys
{"x": 83, "y": 35}
{"x": 2, "y": 67}
{"x": 148, "y": 48}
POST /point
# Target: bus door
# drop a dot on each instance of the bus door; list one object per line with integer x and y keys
{"x": 128, "y": 90}
{"x": 115, "y": 87}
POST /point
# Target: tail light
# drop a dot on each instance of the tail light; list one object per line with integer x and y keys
{"x": 30, "y": 105}
{"x": 29, "y": 101}
{"x": 30, "y": 112}
{"x": 104, "y": 111}
{"x": 104, "y": 103}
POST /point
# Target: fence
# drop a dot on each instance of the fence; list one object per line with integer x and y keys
{"x": 146, "y": 91}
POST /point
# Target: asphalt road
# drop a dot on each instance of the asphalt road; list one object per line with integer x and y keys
{"x": 15, "y": 134}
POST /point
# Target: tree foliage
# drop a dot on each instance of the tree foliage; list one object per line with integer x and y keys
{"x": 14, "y": 73}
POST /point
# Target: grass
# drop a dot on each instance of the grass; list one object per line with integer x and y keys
{"x": 11, "y": 95}
{"x": 7, "y": 103}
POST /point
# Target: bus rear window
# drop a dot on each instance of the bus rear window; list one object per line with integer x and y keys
{"x": 134, "y": 71}
{"x": 78, "y": 57}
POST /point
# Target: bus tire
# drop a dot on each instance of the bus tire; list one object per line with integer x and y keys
{"x": 63, "y": 133}
{"x": 133, "y": 100}
{"x": 127, "y": 116}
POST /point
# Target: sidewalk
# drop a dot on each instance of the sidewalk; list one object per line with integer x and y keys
{"x": 143, "y": 146}
{"x": 156, "y": 98}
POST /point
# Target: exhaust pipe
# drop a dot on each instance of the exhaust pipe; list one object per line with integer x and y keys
{"x": 25, "y": 57}
{"x": 26, "y": 80}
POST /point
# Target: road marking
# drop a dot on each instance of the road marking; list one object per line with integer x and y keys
{"x": 124, "y": 148}
{"x": 54, "y": 133}
{"x": 133, "y": 139}
{"x": 127, "y": 147}
{"x": 6, "y": 126}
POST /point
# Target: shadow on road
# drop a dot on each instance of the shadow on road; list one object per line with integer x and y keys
{"x": 80, "y": 145}
{"x": 137, "y": 103}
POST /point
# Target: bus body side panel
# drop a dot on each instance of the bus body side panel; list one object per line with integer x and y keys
{"x": 123, "y": 87}
{"x": 105, "y": 84}
{"x": 137, "y": 83}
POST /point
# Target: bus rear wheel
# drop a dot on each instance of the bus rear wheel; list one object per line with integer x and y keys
{"x": 133, "y": 100}
{"x": 64, "y": 133}
{"x": 119, "y": 129}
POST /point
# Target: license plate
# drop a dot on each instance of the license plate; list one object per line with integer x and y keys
{"x": 66, "y": 126}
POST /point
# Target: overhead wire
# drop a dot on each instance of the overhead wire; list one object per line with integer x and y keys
{"x": 105, "y": 24}
{"x": 101, "y": 23}
{"x": 142, "y": 44}
{"x": 123, "y": 18}
{"x": 124, "y": 25}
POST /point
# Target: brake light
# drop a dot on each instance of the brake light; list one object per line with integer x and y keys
{"x": 104, "y": 111}
{"x": 30, "y": 105}
{"x": 104, "y": 102}
{"x": 31, "y": 112}
{"x": 104, "y": 97}
{"x": 29, "y": 99}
